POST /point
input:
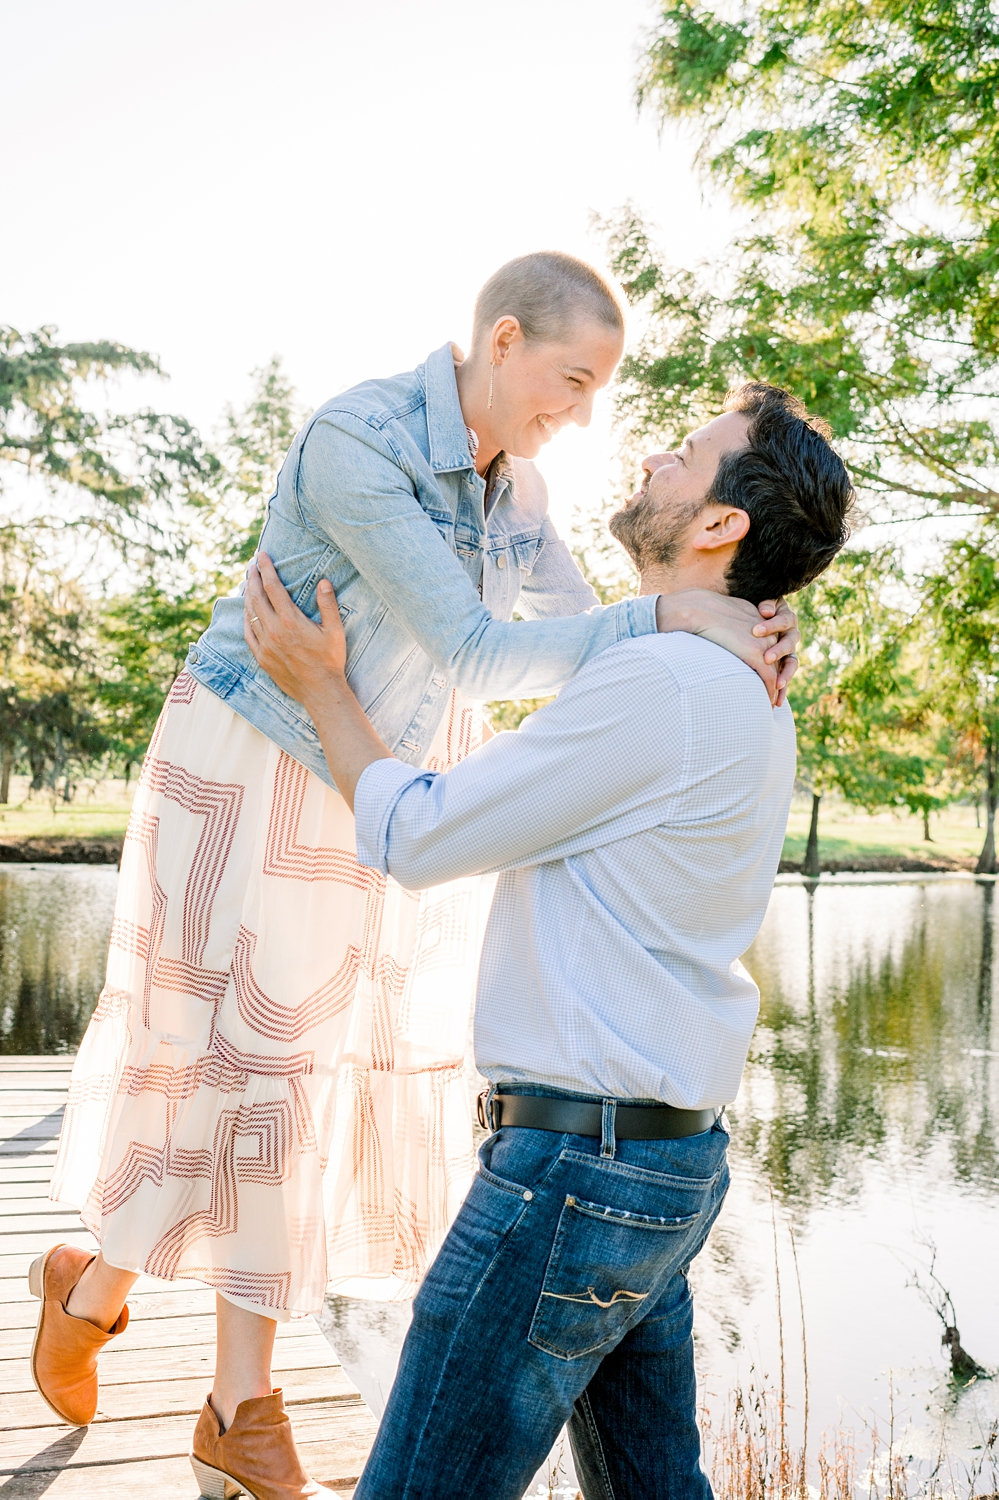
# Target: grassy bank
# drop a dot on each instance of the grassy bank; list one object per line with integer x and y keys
{"x": 846, "y": 835}
{"x": 101, "y": 821}
{"x": 44, "y": 828}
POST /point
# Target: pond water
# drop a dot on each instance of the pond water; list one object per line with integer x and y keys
{"x": 54, "y": 926}
{"x": 868, "y": 1128}
{"x": 865, "y": 1154}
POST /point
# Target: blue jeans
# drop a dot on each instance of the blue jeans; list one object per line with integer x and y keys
{"x": 560, "y": 1295}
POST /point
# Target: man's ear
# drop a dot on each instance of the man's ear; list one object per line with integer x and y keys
{"x": 720, "y": 526}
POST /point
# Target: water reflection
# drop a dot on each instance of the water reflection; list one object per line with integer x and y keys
{"x": 869, "y": 1109}
{"x": 876, "y": 1035}
{"x": 54, "y": 925}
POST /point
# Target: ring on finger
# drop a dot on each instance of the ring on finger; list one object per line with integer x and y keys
{"x": 254, "y": 619}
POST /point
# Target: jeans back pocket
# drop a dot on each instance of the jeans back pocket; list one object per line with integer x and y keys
{"x": 606, "y": 1267}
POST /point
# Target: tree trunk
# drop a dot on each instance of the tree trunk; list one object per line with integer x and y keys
{"x": 985, "y": 968}
{"x": 987, "y": 859}
{"x": 927, "y": 836}
{"x": 811, "y": 865}
{"x": 6, "y": 767}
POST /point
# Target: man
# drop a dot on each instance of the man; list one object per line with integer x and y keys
{"x": 636, "y": 823}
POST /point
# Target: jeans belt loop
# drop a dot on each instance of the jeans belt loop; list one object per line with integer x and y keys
{"x": 607, "y": 1139}
{"x": 484, "y": 1108}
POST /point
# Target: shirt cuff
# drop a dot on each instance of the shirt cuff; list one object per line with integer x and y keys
{"x": 637, "y": 617}
{"x": 378, "y": 790}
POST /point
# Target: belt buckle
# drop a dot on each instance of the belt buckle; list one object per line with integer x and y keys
{"x": 483, "y": 1110}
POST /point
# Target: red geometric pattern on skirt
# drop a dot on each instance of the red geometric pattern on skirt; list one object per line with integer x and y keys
{"x": 258, "y": 1144}
{"x": 220, "y": 805}
{"x": 460, "y": 727}
{"x": 289, "y": 858}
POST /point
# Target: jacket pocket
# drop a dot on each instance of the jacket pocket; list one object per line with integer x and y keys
{"x": 607, "y": 1267}
{"x": 525, "y": 553}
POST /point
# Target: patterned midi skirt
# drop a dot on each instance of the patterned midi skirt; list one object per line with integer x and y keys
{"x": 272, "y": 1096}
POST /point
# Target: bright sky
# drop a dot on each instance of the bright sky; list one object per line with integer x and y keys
{"x": 220, "y": 180}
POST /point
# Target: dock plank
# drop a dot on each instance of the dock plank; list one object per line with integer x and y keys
{"x": 164, "y": 1334}
{"x": 166, "y": 1479}
{"x": 155, "y": 1378}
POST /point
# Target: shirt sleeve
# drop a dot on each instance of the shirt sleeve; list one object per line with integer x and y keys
{"x": 354, "y": 488}
{"x": 594, "y": 766}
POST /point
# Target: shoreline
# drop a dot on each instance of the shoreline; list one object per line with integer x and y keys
{"x": 107, "y": 851}
{"x": 60, "y": 851}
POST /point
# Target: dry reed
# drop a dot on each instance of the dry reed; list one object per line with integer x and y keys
{"x": 751, "y": 1457}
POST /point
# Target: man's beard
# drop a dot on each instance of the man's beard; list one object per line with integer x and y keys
{"x": 651, "y": 538}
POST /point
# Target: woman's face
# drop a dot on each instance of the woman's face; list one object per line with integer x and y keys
{"x": 538, "y": 388}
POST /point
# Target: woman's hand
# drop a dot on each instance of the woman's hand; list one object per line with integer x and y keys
{"x": 301, "y": 656}
{"x": 782, "y": 622}
{"x": 765, "y": 638}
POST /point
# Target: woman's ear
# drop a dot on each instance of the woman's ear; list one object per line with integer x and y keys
{"x": 506, "y": 331}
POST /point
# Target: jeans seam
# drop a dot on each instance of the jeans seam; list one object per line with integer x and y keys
{"x": 432, "y": 1405}
{"x": 591, "y": 1427}
{"x": 649, "y": 1175}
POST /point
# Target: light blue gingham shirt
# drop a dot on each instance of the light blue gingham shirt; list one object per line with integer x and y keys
{"x": 637, "y": 824}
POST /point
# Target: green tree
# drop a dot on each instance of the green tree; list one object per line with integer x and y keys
{"x": 118, "y": 476}
{"x": 254, "y": 442}
{"x": 49, "y": 668}
{"x": 963, "y": 658}
{"x": 858, "y": 139}
{"x": 857, "y": 705}
{"x": 72, "y": 470}
{"x": 145, "y": 635}
{"x": 146, "y": 630}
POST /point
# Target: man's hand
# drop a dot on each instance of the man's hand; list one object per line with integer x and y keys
{"x": 307, "y": 662}
{"x": 301, "y": 656}
{"x": 765, "y": 638}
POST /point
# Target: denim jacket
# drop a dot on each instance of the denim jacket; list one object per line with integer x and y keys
{"x": 379, "y": 494}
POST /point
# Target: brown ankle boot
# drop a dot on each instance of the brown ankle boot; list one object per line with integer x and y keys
{"x": 64, "y": 1354}
{"x": 255, "y": 1455}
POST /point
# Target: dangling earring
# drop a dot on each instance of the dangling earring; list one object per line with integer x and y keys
{"x": 492, "y": 371}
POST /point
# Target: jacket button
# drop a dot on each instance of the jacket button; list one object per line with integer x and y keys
{"x": 194, "y": 656}
{"x": 501, "y": 560}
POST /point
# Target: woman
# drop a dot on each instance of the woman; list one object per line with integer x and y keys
{"x": 270, "y": 1096}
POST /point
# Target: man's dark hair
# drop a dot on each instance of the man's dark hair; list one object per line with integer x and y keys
{"x": 794, "y": 488}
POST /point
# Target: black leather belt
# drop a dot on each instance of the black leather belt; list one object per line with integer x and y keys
{"x": 632, "y": 1122}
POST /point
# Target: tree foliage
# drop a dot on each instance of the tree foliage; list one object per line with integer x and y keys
{"x": 146, "y": 630}
{"x": 83, "y": 677}
{"x": 858, "y": 139}
{"x": 49, "y": 668}
{"x": 861, "y": 723}
{"x": 117, "y": 476}
{"x": 962, "y": 648}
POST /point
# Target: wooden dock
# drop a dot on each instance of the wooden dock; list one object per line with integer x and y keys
{"x": 154, "y": 1379}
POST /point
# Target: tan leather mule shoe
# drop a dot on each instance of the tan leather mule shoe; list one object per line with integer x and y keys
{"x": 256, "y": 1455}
{"x": 64, "y": 1354}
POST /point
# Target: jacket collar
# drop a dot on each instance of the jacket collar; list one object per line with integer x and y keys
{"x": 445, "y": 424}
